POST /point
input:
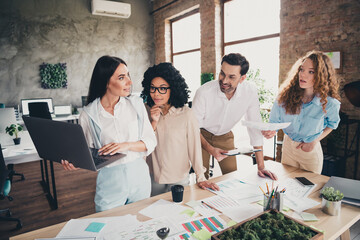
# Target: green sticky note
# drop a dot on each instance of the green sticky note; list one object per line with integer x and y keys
{"x": 188, "y": 212}
{"x": 286, "y": 209}
{"x": 261, "y": 202}
{"x": 317, "y": 229}
{"x": 231, "y": 223}
{"x": 95, "y": 227}
{"x": 203, "y": 234}
{"x": 308, "y": 217}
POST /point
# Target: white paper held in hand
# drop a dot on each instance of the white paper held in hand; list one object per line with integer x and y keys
{"x": 265, "y": 126}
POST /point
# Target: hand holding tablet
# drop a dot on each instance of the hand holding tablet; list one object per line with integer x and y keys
{"x": 240, "y": 152}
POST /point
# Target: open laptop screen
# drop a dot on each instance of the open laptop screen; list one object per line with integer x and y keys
{"x": 25, "y": 104}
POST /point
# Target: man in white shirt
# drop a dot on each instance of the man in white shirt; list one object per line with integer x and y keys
{"x": 219, "y": 105}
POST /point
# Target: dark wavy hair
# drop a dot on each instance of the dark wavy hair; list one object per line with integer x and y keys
{"x": 103, "y": 70}
{"x": 179, "y": 89}
{"x": 237, "y": 59}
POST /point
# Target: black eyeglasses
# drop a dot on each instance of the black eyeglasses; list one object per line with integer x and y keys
{"x": 161, "y": 90}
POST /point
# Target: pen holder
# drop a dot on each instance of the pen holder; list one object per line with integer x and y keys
{"x": 276, "y": 202}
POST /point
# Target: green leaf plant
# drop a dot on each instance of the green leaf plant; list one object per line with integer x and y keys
{"x": 53, "y": 75}
{"x": 14, "y": 129}
{"x": 330, "y": 194}
{"x": 266, "y": 96}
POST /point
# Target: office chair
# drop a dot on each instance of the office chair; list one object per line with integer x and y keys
{"x": 40, "y": 110}
{"x": 5, "y": 186}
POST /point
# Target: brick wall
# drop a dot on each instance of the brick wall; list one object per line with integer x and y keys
{"x": 211, "y": 50}
{"x": 327, "y": 25}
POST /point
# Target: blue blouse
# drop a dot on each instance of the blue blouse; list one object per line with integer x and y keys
{"x": 310, "y": 122}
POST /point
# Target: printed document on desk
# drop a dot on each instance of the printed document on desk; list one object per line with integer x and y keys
{"x": 265, "y": 126}
{"x": 76, "y": 228}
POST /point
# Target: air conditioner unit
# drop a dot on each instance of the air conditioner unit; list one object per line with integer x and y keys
{"x": 110, "y": 8}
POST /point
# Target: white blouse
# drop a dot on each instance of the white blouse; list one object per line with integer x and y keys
{"x": 121, "y": 127}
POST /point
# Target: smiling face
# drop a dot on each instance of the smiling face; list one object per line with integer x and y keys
{"x": 120, "y": 82}
{"x": 229, "y": 78}
{"x": 158, "y": 98}
{"x": 306, "y": 75}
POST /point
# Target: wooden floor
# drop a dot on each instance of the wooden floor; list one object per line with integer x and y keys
{"x": 75, "y": 198}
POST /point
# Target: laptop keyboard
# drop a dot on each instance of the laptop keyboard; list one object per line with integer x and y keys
{"x": 98, "y": 160}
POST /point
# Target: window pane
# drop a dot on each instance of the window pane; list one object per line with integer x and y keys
{"x": 247, "y": 19}
{"x": 189, "y": 66}
{"x": 263, "y": 55}
{"x": 186, "y": 33}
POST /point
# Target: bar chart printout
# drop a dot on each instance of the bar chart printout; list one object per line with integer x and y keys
{"x": 211, "y": 224}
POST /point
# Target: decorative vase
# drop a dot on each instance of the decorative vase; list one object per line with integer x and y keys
{"x": 17, "y": 141}
{"x": 330, "y": 207}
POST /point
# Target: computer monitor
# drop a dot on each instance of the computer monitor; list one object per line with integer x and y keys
{"x": 25, "y": 104}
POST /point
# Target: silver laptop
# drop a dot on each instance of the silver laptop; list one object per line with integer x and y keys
{"x": 349, "y": 187}
{"x": 55, "y": 140}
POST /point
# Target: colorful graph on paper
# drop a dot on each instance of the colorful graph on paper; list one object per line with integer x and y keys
{"x": 212, "y": 224}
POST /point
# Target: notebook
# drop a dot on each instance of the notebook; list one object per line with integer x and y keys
{"x": 55, "y": 140}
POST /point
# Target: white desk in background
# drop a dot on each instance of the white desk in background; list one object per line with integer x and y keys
{"x": 22, "y": 153}
{"x": 70, "y": 118}
{"x": 26, "y": 152}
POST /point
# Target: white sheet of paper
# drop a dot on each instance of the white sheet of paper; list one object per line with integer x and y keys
{"x": 68, "y": 238}
{"x": 299, "y": 204}
{"x": 76, "y": 227}
{"x": 162, "y": 208}
{"x": 294, "y": 188}
{"x": 143, "y": 230}
{"x": 243, "y": 212}
{"x": 265, "y": 126}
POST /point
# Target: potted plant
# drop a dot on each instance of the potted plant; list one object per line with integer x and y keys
{"x": 14, "y": 129}
{"x": 206, "y": 77}
{"x": 331, "y": 201}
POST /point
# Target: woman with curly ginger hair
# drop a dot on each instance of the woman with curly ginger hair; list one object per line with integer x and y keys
{"x": 176, "y": 129}
{"x": 309, "y": 99}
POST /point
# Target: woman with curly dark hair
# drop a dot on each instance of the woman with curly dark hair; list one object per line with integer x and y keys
{"x": 176, "y": 129}
{"x": 309, "y": 99}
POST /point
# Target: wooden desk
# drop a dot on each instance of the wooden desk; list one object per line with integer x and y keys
{"x": 334, "y": 226}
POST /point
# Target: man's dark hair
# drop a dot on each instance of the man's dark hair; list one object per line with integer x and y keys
{"x": 103, "y": 70}
{"x": 179, "y": 89}
{"x": 237, "y": 59}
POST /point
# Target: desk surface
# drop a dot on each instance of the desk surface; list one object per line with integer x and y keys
{"x": 333, "y": 226}
{"x": 24, "y": 152}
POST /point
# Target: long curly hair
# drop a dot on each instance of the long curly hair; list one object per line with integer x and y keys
{"x": 326, "y": 83}
{"x": 179, "y": 89}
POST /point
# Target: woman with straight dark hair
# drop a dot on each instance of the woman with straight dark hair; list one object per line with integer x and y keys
{"x": 176, "y": 129}
{"x": 116, "y": 122}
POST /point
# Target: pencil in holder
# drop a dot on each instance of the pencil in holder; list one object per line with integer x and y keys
{"x": 274, "y": 202}
{"x": 278, "y": 201}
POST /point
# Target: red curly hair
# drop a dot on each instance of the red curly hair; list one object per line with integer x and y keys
{"x": 326, "y": 83}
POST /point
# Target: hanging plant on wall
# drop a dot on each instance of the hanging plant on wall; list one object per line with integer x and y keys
{"x": 53, "y": 75}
